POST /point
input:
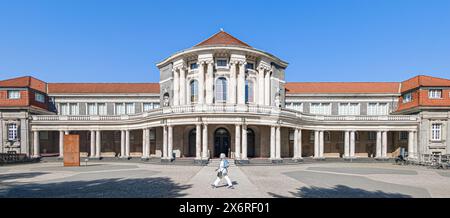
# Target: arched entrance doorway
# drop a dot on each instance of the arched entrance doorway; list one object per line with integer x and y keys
{"x": 191, "y": 146}
{"x": 221, "y": 142}
{"x": 250, "y": 143}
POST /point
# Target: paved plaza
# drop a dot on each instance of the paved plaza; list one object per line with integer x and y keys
{"x": 122, "y": 179}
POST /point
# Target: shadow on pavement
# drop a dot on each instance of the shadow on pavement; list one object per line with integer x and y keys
{"x": 340, "y": 191}
{"x": 11, "y": 176}
{"x": 155, "y": 187}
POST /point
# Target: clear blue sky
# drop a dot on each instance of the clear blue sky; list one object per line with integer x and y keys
{"x": 121, "y": 41}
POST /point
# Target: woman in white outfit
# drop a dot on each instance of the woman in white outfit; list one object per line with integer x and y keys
{"x": 222, "y": 172}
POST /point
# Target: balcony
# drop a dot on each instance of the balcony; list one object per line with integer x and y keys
{"x": 167, "y": 112}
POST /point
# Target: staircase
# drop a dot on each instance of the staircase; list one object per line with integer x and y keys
{"x": 215, "y": 162}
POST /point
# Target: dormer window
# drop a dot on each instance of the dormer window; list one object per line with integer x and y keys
{"x": 222, "y": 63}
{"x": 40, "y": 97}
{"x": 435, "y": 93}
{"x": 407, "y": 97}
{"x": 13, "y": 94}
{"x": 193, "y": 66}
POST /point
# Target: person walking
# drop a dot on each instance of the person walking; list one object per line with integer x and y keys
{"x": 222, "y": 172}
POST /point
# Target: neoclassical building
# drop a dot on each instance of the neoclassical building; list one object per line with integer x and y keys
{"x": 224, "y": 96}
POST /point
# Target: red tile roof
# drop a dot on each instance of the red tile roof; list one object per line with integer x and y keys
{"x": 422, "y": 80}
{"x": 24, "y": 81}
{"x": 342, "y": 87}
{"x": 101, "y": 88}
{"x": 222, "y": 38}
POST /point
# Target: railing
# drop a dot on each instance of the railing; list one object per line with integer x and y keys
{"x": 224, "y": 108}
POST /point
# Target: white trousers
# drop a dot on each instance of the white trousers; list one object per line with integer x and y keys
{"x": 226, "y": 178}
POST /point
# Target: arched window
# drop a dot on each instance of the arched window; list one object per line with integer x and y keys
{"x": 194, "y": 91}
{"x": 221, "y": 90}
{"x": 249, "y": 87}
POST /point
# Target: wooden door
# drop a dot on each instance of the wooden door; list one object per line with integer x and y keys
{"x": 71, "y": 150}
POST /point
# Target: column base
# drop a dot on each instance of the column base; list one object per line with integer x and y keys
{"x": 319, "y": 158}
{"x": 349, "y": 157}
{"x": 382, "y": 158}
{"x": 125, "y": 157}
{"x": 276, "y": 160}
{"x": 145, "y": 158}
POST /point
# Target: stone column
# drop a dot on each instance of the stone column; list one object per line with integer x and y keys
{"x": 241, "y": 84}
{"x": 352, "y": 144}
{"x": 93, "y": 153}
{"x": 411, "y": 144}
{"x": 98, "y": 146}
{"x": 61, "y": 144}
{"x": 122, "y": 144}
{"x": 378, "y": 147}
{"x": 267, "y": 89}
{"x": 209, "y": 83}
{"x": 295, "y": 144}
{"x": 232, "y": 85}
{"x": 176, "y": 87}
{"x": 205, "y": 142}
{"x": 316, "y": 143}
{"x": 144, "y": 143}
{"x": 182, "y": 86}
{"x": 346, "y": 144}
{"x": 198, "y": 148}
{"x": 244, "y": 142}
{"x": 147, "y": 144}
{"x": 278, "y": 143}
{"x": 164, "y": 154}
{"x": 272, "y": 142}
{"x": 127, "y": 143}
{"x": 201, "y": 83}
{"x": 261, "y": 86}
{"x": 384, "y": 144}
{"x": 299, "y": 141}
{"x": 237, "y": 142}
{"x": 170, "y": 143}
{"x": 415, "y": 144}
{"x": 321, "y": 144}
{"x": 36, "y": 147}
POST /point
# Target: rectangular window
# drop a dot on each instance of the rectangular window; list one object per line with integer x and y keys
{"x": 91, "y": 109}
{"x": 12, "y": 132}
{"x": 130, "y": 108}
{"x": 13, "y": 94}
{"x": 311, "y": 136}
{"x": 372, "y": 136}
{"x": 155, "y": 105}
{"x": 407, "y": 97}
{"x": 147, "y": 106}
{"x": 39, "y": 97}
{"x": 377, "y": 109}
{"x": 295, "y": 106}
{"x": 221, "y": 62}
{"x": 120, "y": 108}
{"x": 101, "y": 109}
{"x": 320, "y": 108}
{"x": 193, "y": 66}
{"x": 74, "y": 109}
{"x": 63, "y": 109}
{"x": 250, "y": 66}
{"x": 435, "y": 93}
{"x": 349, "y": 109}
{"x": 436, "y": 130}
{"x": 403, "y": 135}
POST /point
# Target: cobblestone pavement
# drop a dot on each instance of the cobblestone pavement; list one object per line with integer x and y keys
{"x": 121, "y": 179}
